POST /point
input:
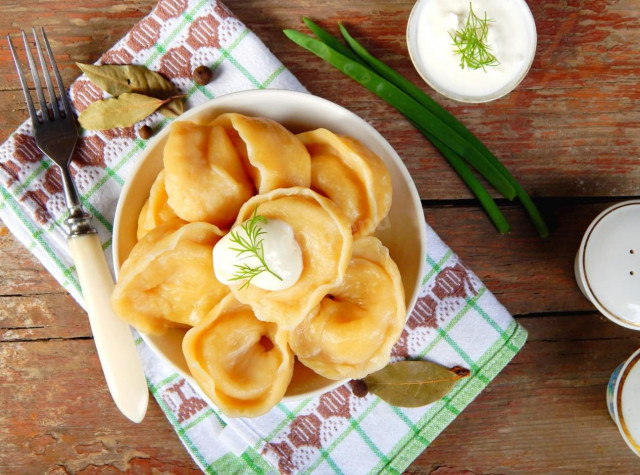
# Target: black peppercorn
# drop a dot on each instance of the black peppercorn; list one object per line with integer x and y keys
{"x": 202, "y": 75}
{"x": 145, "y": 132}
{"x": 359, "y": 388}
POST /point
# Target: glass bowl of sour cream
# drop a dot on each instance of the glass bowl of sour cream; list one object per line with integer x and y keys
{"x": 441, "y": 34}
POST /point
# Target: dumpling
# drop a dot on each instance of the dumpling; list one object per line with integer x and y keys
{"x": 205, "y": 178}
{"x": 156, "y": 210}
{"x": 243, "y": 364}
{"x": 273, "y": 156}
{"x": 351, "y": 332}
{"x": 324, "y": 236}
{"x": 352, "y": 176}
{"x": 168, "y": 280}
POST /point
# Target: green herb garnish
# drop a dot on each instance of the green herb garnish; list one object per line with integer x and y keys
{"x": 471, "y": 42}
{"x": 248, "y": 247}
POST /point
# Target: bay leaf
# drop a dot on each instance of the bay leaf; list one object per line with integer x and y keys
{"x": 413, "y": 383}
{"x": 121, "y": 111}
{"x": 173, "y": 108}
{"x": 119, "y": 79}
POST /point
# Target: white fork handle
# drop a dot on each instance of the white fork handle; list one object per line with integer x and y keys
{"x": 113, "y": 338}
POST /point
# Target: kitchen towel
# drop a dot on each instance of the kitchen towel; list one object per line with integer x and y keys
{"x": 457, "y": 321}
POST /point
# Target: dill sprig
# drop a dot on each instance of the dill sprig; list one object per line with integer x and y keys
{"x": 471, "y": 42}
{"x": 249, "y": 246}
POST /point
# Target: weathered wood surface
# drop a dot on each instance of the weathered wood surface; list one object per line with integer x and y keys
{"x": 570, "y": 133}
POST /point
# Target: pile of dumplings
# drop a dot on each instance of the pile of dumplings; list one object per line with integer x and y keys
{"x": 343, "y": 314}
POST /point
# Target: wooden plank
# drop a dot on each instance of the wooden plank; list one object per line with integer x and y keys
{"x": 573, "y": 112}
{"x": 546, "y": 412}
{"x": 41, "y": 317}
{"x": 528, "y": 274}
{"x": 78, "y": 32}
{"x": 563, "y": 370}
{"x": 58, "y": 417}
{"x": 569, "y": 130}
{"x": 22, "y": 274}
{"x": 50, "y": 343}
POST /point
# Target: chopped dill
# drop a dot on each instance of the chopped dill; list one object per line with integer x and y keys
{"x": 249, "y": 246}
{"x": 471, "y": 42}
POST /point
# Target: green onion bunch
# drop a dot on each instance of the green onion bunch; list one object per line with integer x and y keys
{"x": 456, "y": 143}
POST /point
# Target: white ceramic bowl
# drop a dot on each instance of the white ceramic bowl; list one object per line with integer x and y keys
{"x": 403, "y": 232}
{"x": 512, "y": 28}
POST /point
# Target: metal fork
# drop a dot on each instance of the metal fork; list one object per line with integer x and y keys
{"x": 56, "y": 136}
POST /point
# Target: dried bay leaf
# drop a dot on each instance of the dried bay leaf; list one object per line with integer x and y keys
{"x": 413, "y": 383}
{"x": 121, "y": 111}
{"x": 121, "y": 79}
{"x": 117, "y": 79}
{"x": 173, "y": 108}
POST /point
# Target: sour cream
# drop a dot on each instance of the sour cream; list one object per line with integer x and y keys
{"x": 512, "y": 38}
{"x": 281, "y": 251}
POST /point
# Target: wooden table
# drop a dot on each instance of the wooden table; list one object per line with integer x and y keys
{"x": 570, "y": 133}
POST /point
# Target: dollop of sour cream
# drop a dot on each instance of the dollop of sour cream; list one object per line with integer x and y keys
{"x": 511, "y": 36}
{"x": 281, "y": 252}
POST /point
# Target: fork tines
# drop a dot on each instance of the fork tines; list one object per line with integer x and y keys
{"x": 51, "y": 111}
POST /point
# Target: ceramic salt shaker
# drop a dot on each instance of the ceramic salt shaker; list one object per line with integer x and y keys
{"x": 607, "y": 265}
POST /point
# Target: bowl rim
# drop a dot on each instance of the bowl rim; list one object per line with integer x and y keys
{"x": 226, "y": 100}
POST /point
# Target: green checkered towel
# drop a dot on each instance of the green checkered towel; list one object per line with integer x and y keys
{"x": 456, "y": 321}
